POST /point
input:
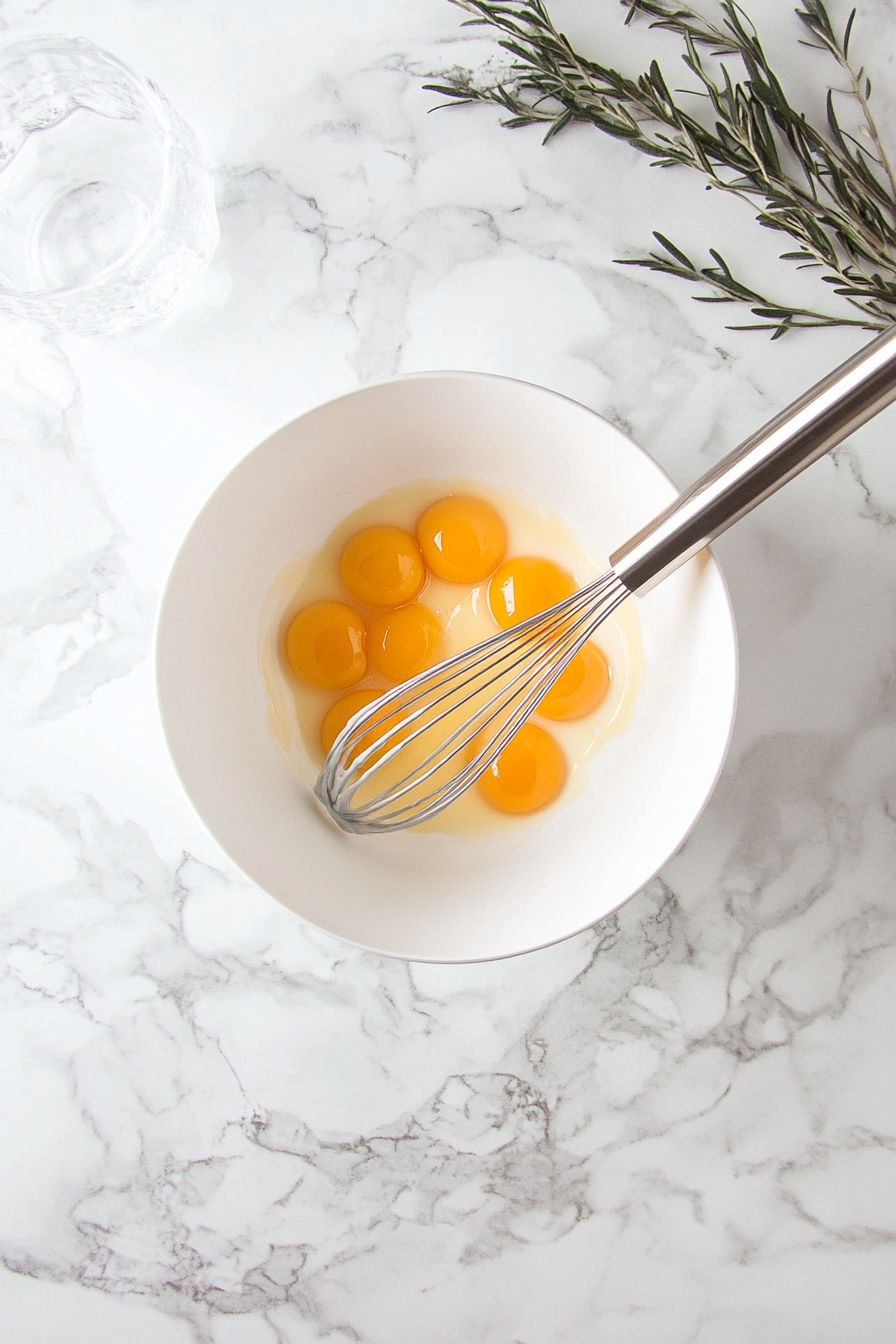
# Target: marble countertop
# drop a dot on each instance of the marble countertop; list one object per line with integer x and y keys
{"x": 218, "y": 1126}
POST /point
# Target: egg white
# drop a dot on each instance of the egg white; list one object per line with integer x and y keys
{"x": 296, "y": 710}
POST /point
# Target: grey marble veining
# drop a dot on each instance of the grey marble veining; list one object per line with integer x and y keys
{"x": 218, "y": 1126}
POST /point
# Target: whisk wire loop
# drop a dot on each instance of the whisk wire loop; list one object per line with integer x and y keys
{"x": 430, "y": 738}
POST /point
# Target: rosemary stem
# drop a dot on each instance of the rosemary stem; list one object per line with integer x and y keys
{"x": 833, "y": 195}
{"x": 874, "y": 136}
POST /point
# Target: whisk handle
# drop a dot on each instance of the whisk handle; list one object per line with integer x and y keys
{"x": 809, "y": 427}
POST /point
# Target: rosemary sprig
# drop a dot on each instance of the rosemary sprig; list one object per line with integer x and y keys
{"x": 830, "y": 190}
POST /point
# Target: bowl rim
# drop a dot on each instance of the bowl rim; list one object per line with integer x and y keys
{"x": 449, "y": 374}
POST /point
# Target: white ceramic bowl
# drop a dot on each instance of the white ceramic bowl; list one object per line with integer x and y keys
{"x": 646, "y": 787}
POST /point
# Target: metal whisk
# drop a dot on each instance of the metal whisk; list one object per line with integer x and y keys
{"x": 412, "y": 752}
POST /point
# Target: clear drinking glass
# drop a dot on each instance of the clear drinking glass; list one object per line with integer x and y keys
{"x": 106, "y": 205}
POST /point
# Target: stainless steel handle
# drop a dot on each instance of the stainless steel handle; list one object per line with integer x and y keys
{"x": 812, "y": 425}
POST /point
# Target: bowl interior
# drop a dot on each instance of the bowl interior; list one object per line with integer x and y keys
{"x": 427, "y": 897}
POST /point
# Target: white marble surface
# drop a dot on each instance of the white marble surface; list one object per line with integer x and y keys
{"x": 220, "y": 1127}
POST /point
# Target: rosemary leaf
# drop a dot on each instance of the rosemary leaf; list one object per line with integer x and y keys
{"x": 830, "y": 190}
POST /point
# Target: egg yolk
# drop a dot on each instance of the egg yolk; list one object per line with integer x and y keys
{"x": 580, "y": 687}
{"x": 527, "y": 775}
{"x": 462, "y": 538}
{"x": 382, "y": 566}
{"x": 525, "y": 586}
{"x": 404, "y": 642}
{"x": 325, "y": 645}
{"x": 338, "y": 715}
